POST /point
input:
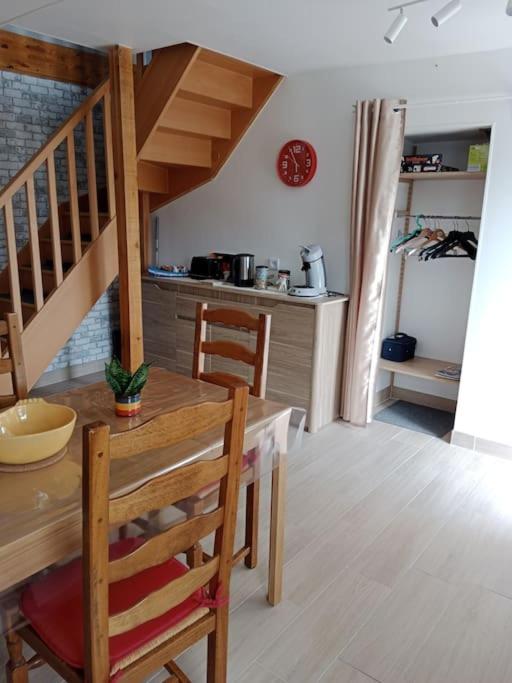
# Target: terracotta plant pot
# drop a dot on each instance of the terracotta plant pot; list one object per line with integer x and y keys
{"x": 128, "y": 406}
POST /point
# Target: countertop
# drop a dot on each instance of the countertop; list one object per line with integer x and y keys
{"x": 217, "y": 286}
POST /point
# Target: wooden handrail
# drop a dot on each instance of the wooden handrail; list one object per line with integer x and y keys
{"x": 17, "y": 182}
{"x": 24, "y": 180}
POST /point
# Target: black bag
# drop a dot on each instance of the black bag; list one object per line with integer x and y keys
{"x": 398, "y": 347}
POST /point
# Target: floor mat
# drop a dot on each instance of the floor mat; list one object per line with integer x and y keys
{"x": 418, "y": 418}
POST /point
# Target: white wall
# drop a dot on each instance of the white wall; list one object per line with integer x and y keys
{"x": 247, "y": 208}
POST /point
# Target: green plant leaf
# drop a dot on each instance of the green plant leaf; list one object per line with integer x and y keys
{"x": 112, "y": 380}
{"x": 138, "y": 380}
{"x": 121, "y": 376}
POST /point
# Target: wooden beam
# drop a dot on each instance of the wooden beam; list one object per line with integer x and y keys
{"x": 159, "y": 85}
{"x": 34, "y": 57}
{"x": 146, "y": 243}
{"x": 127, "y": 206}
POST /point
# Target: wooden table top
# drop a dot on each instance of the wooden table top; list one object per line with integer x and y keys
{"x": 36, "y": 506}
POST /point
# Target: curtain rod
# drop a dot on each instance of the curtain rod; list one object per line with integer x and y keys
{"x": 438, "y": 103}
{"x": 404, "y": 214}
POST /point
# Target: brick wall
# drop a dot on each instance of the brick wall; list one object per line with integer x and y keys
{"x": 31, "y": 109}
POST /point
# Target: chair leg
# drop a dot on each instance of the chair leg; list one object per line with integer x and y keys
{"x": 16, "y": 669}
{"x": 195, "y": 556}
{"x": 218, "y": 649}
{"x": 252, "y": 515}
{"x": 177, "y": 675}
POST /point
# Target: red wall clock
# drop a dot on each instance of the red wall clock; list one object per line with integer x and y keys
{"x": 296, "y": 163}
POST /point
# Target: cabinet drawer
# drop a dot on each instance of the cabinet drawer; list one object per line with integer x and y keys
{"x": 289, "y": 370}
{"x": 159, "y": 330}
{"x": 153, "y": 293}
{"x": 292, "y": 325}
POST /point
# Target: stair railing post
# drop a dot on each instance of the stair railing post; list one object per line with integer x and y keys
{"x": 127, "y": 208}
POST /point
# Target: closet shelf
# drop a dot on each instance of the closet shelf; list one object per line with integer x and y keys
{"x": 443, "y": 175}
{"x": 425, "y": 368}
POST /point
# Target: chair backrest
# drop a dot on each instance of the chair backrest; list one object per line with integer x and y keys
{"x": 229, "y": 349}
{"x": 100, "y": 512}
{"x": 13, "y": 364}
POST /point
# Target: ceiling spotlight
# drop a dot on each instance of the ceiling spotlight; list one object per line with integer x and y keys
{"x": 509, "y": 8}
{"x": 396, "y": 27}
{"x": 447, "y": 12}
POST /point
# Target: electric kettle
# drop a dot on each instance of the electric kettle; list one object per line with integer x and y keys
{"x": 243, "y": 270}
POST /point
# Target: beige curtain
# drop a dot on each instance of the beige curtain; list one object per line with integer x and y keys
{"x": 379, "y": 139}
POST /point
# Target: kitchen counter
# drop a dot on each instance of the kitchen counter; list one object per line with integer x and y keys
{"x": 185, "y": 283}
{"x": 306, "y": 338}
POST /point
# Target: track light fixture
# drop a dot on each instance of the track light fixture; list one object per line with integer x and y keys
{"x": 447, "y": 12}
{"x": 438, "y": 19}
{"x": 396, "y": 27}
{"x": 509, "y": 8}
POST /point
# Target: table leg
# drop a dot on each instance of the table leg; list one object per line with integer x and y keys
{"x": 277, "y": 522}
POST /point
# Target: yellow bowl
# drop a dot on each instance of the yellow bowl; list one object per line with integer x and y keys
{"x": 33, "y": 430}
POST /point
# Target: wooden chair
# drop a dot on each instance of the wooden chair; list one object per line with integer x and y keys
{"x": 141, "y": 607}
{"x": 14, "y": 364}
{"x": 258, "y": 359}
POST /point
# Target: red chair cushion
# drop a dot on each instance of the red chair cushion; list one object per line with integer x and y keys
{"x": 53, "y": 605}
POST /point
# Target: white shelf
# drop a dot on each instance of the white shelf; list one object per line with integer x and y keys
{"x": 425, "y": 368}
{"x": 442, "y": 175}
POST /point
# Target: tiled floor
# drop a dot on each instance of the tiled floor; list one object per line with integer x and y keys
{"x": 398, "y": 568}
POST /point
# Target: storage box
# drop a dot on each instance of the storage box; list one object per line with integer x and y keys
{"x": 421, "y": 163}
{"x": 478, "y": 158}
{"x": 399, "y": 347}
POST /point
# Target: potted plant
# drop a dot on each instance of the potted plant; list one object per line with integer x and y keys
{"x": 126, "y": 387}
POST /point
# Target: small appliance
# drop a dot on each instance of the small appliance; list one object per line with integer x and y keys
{"x": 243, "y": 270}
{"x": 314, "y": 267}
{"x": 206, "y": 267}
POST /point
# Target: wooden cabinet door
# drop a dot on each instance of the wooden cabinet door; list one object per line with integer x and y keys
{"x": 159, "y": 325}
{"x": 290, "y": 353}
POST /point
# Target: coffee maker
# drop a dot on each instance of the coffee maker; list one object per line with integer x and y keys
{"x": 314, "y": 267}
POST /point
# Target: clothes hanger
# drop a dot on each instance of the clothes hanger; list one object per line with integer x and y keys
{"x": 456, "y": 245}
{"x": 402, "y": 239}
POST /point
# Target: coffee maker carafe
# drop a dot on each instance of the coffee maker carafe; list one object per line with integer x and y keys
{"x": 314, "y": 267}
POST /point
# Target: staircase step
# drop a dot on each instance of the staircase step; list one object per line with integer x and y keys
{"x": 213, "y": 84}
{"x": 85, "y": 223}
{"x": 170, "y": 148}
{"x": 66, "y": 247}
{"x": 197, "y": 118}
{"x": 27, "y": 297}
{"x": 28, "y": 308}
{"x": 26, "y": 280}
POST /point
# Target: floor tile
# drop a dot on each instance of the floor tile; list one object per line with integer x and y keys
{"x": 323, "y": 629}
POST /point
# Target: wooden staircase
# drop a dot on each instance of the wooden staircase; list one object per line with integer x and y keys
{"x": 192, "y": 107}
{"x": 69, "y": 260}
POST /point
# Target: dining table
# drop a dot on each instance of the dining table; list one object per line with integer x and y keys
{"x": 41, "y": 510}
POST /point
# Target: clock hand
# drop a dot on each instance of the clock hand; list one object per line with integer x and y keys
{"x": 294, "y": 159}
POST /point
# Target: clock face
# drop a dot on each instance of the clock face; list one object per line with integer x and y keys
{"x": 296, "y": 163}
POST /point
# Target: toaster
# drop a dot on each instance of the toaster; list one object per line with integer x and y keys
{"x": 206, "y": 267}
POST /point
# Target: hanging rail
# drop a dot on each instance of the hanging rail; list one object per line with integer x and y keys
{"x": 404, "y": 214}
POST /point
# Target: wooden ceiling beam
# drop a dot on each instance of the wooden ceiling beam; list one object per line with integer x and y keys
{"x": 33, "y": 57}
